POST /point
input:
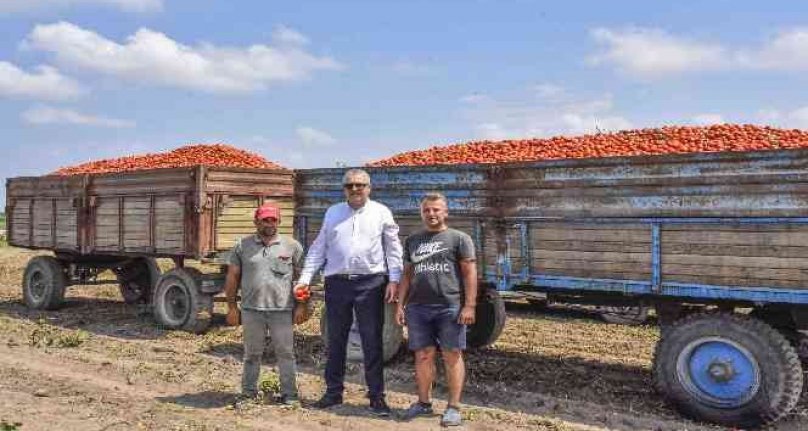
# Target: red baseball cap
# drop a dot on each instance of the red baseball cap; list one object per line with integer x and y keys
{"x": 268, "y": 210}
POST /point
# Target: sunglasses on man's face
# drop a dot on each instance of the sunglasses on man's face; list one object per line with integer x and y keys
{"x": 350, "y": 186}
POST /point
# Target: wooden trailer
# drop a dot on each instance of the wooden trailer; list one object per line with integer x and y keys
{"x": 715, "y": 243}
{"x": 123, "y": 221}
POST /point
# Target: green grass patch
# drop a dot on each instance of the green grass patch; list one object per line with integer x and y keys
{"x": 44, "y": 335}
{"x": 269, "y": 384}
{"x": 9, "y": 426}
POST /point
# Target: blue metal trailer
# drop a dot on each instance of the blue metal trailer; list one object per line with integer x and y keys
{"x": 716, "y": 243}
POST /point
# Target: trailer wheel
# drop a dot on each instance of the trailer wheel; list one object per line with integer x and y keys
{"x": 625, "y": 315}
{"x": 44, "y": 283}
{"x": 490, "y": 320}
{"x": 178, "y": 302}
{"x": 728, "y": 369}
{"x": 137, "y": 280}
{"x": 392, "y": 336}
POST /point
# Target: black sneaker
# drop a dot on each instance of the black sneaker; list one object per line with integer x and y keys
{"x": 327, "y": 401}
{"x": 378, "y": 407}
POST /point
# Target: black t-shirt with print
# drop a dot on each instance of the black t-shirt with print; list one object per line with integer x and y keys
{"x": 435, "y": 257}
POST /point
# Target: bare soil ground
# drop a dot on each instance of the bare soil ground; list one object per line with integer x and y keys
{"x": 99, "y": 364}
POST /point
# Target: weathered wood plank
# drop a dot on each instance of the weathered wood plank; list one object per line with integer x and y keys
{"x": 592, "y": 273}
{"x": 669, "y": 249}
{"x": 741, "y": 228}
{"x": 136, "y": 219}
{"x": 738, "y": 261}
{"x": 253, "y": 204}
{"x": 671, "y": 269}
{"x": 548, "y": 225}
{"x": 624, "y": 236}
{"x": 601, "y": 266}
{"x": 789, "y": 239}
{"x": 594, "y": 246}
{"x": 594, "y": 256}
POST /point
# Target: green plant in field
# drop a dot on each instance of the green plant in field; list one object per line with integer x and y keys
{"x": 269, "y": 384}
{"x": 9, "y": 426}
{"x": 45, "y": 335}
{"x": 72, "y": 338}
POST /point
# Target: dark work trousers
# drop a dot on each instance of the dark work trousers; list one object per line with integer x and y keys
{"x": 365, "y": 294}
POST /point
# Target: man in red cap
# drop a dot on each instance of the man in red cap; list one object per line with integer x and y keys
{"x": 263, "y": 266}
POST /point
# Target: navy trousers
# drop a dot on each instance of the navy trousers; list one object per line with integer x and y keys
{"x": 365, "y": 295}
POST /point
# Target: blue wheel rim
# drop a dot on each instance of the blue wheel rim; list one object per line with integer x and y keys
{"x": 718, "y": 372}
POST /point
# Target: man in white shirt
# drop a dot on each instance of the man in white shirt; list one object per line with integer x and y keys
{"x": 360, "y": 253}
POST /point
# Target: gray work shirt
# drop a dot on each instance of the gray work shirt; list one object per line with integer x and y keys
{"x": 435, "y": 258}
{"x": 267, "y": 272}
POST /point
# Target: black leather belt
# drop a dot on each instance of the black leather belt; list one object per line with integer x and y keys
{"x": 355, "y": 276}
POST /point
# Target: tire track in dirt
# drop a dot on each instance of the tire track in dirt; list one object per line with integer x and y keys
{"x": 45, "y": 392}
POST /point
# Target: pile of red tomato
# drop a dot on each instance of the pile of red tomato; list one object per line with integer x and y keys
{"x": 190, "y": 155}
{"x": 651, "y": 141}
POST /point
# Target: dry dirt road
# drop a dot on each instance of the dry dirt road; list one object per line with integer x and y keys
{"x": 99, "y": 364}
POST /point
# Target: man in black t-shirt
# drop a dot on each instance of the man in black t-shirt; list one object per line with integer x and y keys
{"x": 437, "y": 299}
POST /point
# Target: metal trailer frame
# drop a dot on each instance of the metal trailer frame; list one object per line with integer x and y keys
{"x": 505, "y": 280}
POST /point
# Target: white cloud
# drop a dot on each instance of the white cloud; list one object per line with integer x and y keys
{"x": 652, "y": 52}
{"x": 314, "y": 138}
{"x": 46, "y": 83}
{"x": 548, "y": 90}
{"x": 9, "y": 6}
{"x": 493, "y": 131}
{"x": 286, "y": 35}
{"x": 474, "y": 98}
{"x": 797, "y": 118}
{"x": 45, "y": 115}
{"x": 523, "y": 116}
{"x": 787, "y": 51}
{"x": 768, "y": 115}
{"x": 152, "y": 57}
{"x": 579, "y": 124}
{"x": 708, "y": 119}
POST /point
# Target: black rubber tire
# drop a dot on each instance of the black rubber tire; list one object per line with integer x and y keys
{"x": 779, "y": 369}
{"x": 137, "y": 280}
{"x": 179, "y": 304}
{"x": 490, "y": 320}
{"x": 631, "y": 315}
{"x": 44, "y": 283}
{"x": 392, "y": 336}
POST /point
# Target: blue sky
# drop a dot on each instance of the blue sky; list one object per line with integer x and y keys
{"x": 316, "y": 83}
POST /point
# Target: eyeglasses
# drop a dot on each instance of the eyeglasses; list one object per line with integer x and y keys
{"x": 349, "y": 186}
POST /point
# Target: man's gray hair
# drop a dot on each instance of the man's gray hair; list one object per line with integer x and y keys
{"x": 434, "y": 196}
{"x": 356, "y": 172}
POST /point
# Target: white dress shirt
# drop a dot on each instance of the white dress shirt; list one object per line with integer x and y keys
{"x": 361, "y": 241}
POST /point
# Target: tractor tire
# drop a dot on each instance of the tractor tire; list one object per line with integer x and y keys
{"x": 489, "y": 322}
{"x": 728, "y": 369}
{"x": 44, "y": 283}
{"x": 178, "y": 302}
{"x": 392, "y": 336}
{"x": 137, "y": 280}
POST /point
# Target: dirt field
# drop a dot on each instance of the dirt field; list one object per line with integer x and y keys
{"x": 99, "y": 364}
